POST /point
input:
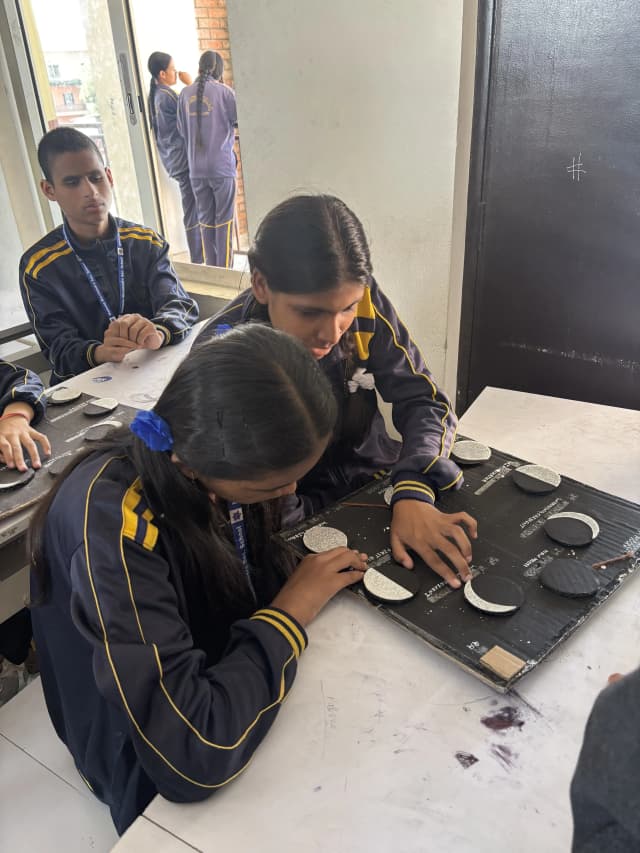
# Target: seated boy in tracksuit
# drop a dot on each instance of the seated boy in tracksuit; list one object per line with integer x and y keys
{"x": 97, "y": 287}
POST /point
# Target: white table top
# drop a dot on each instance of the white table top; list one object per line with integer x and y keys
{"x": 363, "y": 754}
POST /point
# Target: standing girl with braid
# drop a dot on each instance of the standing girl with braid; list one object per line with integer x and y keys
{"x": 207, "y": 120}
{"x": 163, "y": 115}
{"x": 169, "y": 622}
{"x": 311, "y": 276}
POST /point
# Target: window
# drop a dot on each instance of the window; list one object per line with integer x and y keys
{"x": 54, "y": 72}
{"x": 68, "y": 99}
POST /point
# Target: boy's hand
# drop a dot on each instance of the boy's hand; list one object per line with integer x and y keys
{"x": 136, "y": 329}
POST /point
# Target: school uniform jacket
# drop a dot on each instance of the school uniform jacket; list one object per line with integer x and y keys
{"x": 136, "y": 703}
{"x": 19, "y": 385}
{"x": 67, "y": 317}
{"x": 171, "y": 146}
{"x": 215, "y": 157}
{"x": 385, "y": 355}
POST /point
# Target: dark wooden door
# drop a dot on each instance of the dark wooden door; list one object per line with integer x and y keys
{"x": 551, "y": 296}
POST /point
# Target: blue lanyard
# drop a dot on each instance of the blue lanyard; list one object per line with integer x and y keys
{"x": 236, "y": 517}
{"x": 91, "y": 278}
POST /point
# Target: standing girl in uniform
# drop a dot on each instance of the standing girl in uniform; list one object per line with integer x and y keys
{"x": 311, "y": 276}
{"x": 167, "y": 620}
{"x": 207, "y": 120}
{"x": 163, "y": 110}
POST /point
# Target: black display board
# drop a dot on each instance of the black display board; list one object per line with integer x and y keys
{"x": 511, "y": 543}
{"x": 65, "y": 427}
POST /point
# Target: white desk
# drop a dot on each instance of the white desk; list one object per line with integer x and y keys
{"x": 363, "y": 754}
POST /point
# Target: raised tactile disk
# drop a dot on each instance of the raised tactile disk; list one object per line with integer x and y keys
{"x": 493, "y": 594}
{"x": 58, "y": 465}
{"x": 572, "y": 529}
{"x": 570, "y": 578}
{"x": 536, "y": 479}
{"x": 470, "y": 452}
{"x": 61, "y": 396}
{"x": 101, "y": 431}
{"x": 392, "y": 584}
{"x": 11, "y": 478}
{"x": 321, "y": 538}
{"x": 103, "y": 406}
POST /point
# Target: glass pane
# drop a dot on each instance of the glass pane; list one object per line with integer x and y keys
{"x": 74, "y": 59}
{"x": 184, "y": 31}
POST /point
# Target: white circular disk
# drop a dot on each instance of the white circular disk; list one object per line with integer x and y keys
{"x": 580, "y": 516}
{"x": 64, "y": 395}
{"x": 109, "y": 403}
{"x": 321, "y": 538}
{"x": 384, "y": 588}
{"x": 387, "y": 495}
{"x": 482, "y": 604}
{"x": 470, "y": 451}
{"x": 539, "y": 472}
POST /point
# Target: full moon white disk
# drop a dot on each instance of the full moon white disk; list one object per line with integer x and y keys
{"x": 384, "y": 588}
{"x": 470, "y": 452}
{"x": 580, "y": 516}
{"x": 64, "y": 395}
{"x": 321, "y": 538}
{"x": 482, "y": 604}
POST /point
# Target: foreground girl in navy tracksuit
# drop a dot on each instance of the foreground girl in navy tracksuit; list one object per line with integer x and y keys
{"x": 207, "y": 119}
{"x": 167, "y": 626}
{"x": 97, "y": 287}
{"x": 163, "y": 110}
{"x": 311, "y": 276}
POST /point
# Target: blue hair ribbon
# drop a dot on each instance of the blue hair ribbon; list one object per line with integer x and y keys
{"x": 153, "y": 430}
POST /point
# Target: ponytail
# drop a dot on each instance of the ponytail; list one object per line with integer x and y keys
{"x": 156, "y": 63}
{"x": 210, "y": 67}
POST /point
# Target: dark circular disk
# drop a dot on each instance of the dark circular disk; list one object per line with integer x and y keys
{"x": 97, "y": 433}
{"x": 494, "y": 594}
{"x": 470, "y": 452}
{"x": 11, "y": 478}
{"x": 536, "y": 479}
{"x": 569, "y": 531}
{"x": 103, "y": 406}
{"x": 58, "y": 465}
{"x": 62, "y": 396}
{"x": 391, "y": 583}
{"x": 570, "y": 578}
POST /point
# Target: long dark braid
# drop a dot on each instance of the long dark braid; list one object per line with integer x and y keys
{"x": 209, "y": 68}
{"x": 156, "y": 63}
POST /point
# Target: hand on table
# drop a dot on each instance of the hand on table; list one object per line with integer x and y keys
{"x": 17, "y": 435}
{"x": 423, "y": 528}
{"x": 317, "y": 579}
{"x": 136, "y": 329}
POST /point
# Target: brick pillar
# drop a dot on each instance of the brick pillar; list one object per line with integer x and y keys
{"x": 213, "y": 34}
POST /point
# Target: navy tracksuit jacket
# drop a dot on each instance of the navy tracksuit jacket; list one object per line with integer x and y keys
{"x": 66, "y": 316}
{"x": 385, "y": 355}
{"x": 142, "y": 708}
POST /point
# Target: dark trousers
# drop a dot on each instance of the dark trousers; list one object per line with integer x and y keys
{"x": 190, "y": 218}
{"x": 15, "y": 636}
{"x": 215, "y": 199}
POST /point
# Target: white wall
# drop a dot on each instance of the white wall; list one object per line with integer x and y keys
{"x": 359, "y": 99}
